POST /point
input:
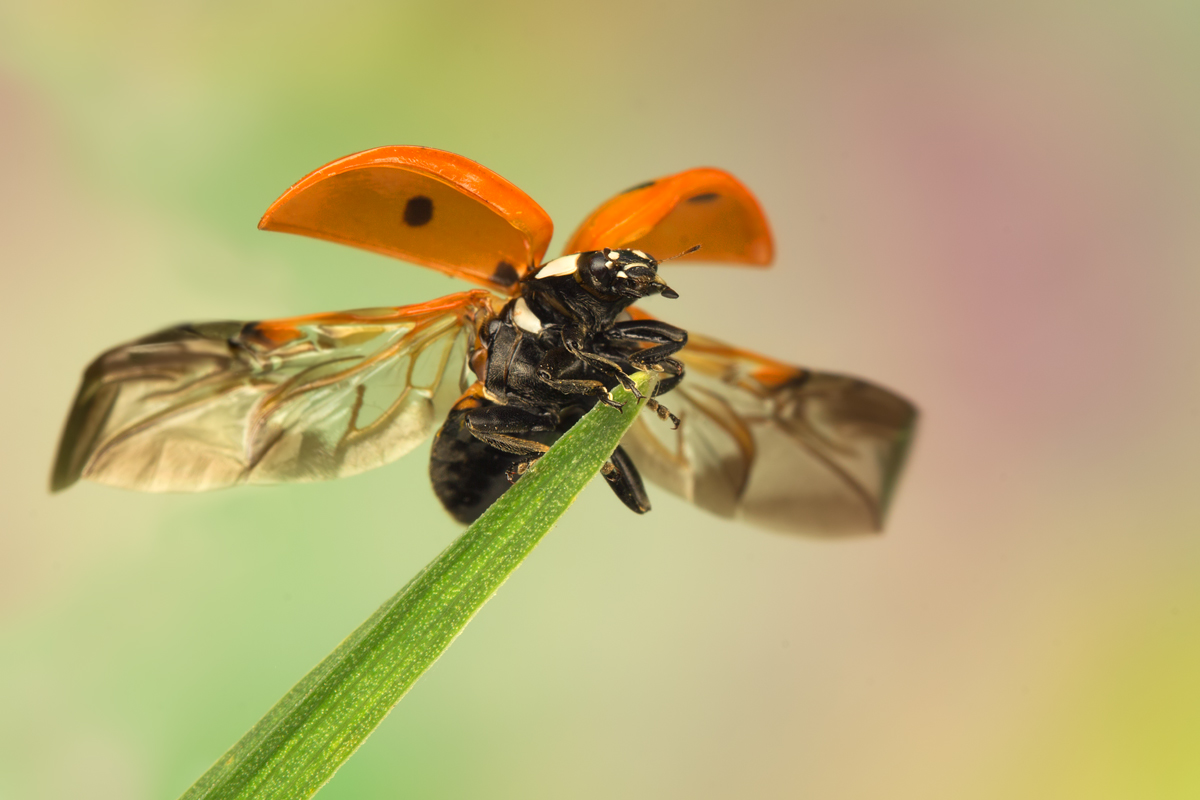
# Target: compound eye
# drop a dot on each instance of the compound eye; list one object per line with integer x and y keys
{"x": 600, "y": 263}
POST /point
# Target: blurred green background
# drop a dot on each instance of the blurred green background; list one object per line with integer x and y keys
{"x": 991, "y": 207}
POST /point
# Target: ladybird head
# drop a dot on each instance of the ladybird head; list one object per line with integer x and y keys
{"x": 624, "y": 274}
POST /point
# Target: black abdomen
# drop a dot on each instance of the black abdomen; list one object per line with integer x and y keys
{"x": 467, "y": 474}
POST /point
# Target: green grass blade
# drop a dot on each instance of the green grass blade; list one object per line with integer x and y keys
{"x": 293, "y": 750}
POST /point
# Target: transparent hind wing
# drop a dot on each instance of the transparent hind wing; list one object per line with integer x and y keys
{"x": 781, "y": 447}
{"x": 199, "y": 407}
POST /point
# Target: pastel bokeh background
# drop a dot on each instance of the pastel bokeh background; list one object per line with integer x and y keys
{"x": 992, "y": 209}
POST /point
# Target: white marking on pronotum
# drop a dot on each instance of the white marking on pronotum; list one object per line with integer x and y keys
{"x": 559, "y": 266}
{"x": 524, "y": 317}
{"x": 622, "y": 274}
{"x": 640, "y": 254}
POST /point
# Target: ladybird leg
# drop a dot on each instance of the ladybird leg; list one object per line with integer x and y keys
{"x": 626, "y": 483}
{"x": 670, "y": 376}
{"x": 663, "y": 413}
{"x": 559, "y": 362}
{"x": 667, "y": 340}
{"x": 602, "y": 363}
{"x": 500, "y": 426}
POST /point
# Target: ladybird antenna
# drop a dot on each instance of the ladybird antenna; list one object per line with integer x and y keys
{"x": 689, "y": 251}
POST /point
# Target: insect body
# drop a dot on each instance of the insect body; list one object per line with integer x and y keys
{"x": 551, "y": 354}
{"x": 504, "y": 372}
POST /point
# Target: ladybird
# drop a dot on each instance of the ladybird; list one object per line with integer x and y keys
{"x": 499, "y": 372}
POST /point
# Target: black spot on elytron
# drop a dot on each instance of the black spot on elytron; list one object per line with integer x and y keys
{"x": 418, "y": 211}
{"x": 505, "y": 274}
{"x": 645, "y": 185}
{"x": 707, "y": 197}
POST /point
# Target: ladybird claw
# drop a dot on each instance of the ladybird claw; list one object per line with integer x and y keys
{"x": 663, "y": 413}
{"x": 607, "y": 399}
{"x": 517, "y": 470}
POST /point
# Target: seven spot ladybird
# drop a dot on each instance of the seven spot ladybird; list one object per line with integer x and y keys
{"x": 504, "y": 370}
